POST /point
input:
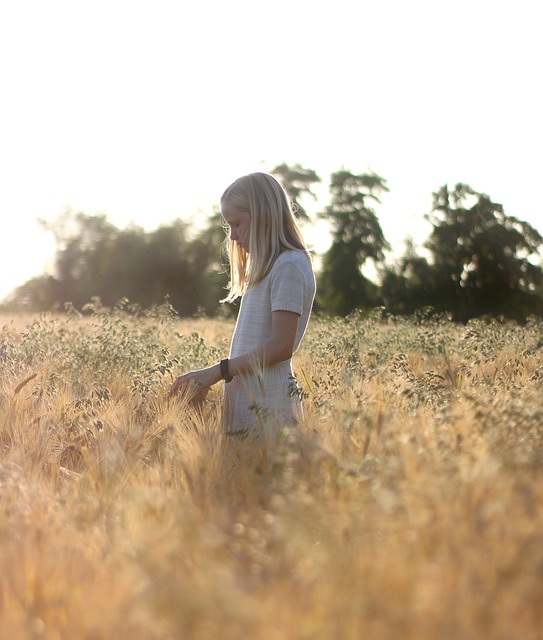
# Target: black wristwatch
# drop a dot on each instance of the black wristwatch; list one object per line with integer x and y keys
{"x": 225, "y": 375}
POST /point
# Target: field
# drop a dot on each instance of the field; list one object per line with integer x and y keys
{"x": 408, "y": 506}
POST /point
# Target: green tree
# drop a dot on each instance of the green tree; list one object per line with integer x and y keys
{"x": 96, "y": 259}
{"x": 356, "y": 238}
{"x": 297, "y": 181}
{"x": 91, "y": 256}
{"x": 484, "y": 260}
{"x": 409, "y": 284}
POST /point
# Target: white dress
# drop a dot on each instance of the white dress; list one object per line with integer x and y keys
{"x": 255, "y": 399}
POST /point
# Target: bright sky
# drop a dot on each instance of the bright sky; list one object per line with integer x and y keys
{"x": 146, "y": 110}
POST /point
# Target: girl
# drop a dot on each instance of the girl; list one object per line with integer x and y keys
{"x": 270, "y": 269}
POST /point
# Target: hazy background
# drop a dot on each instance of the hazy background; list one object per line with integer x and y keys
{"x": 145, "y": 111}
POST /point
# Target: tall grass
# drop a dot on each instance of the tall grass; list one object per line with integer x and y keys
{"x": 409, "y": 504}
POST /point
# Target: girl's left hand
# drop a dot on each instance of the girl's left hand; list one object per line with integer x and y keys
{"x": 185, "y": 384}
{"x": 200, "y": 380}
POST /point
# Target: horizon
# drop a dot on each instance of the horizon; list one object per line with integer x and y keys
{"x": 145, "y": 113}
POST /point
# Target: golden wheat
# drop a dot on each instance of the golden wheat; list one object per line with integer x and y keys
{"x": 408, "y": 505}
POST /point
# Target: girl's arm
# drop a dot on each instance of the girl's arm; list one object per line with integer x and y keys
{"x": 277, "y": 349}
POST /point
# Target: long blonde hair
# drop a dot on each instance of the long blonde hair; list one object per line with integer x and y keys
{"x": 273, "y": 229}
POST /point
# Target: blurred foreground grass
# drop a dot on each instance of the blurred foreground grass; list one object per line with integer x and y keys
{"x": 409, "y": 505}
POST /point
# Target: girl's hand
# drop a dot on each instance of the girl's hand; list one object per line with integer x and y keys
{"x": 188, "y": 385}
{"x": 199, "y": 381}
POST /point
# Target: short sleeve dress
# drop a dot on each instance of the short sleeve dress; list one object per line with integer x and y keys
{"x": 269, "y": 394}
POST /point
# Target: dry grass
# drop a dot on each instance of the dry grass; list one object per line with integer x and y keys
{"x": 409, "y": 505}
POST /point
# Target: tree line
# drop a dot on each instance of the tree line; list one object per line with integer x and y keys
{"x": 476, "y": 260}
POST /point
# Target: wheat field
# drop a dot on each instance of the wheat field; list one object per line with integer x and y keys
{"x": 409, "y": 504}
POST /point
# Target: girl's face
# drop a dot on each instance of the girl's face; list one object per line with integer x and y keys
{"x": 240, "y": 225}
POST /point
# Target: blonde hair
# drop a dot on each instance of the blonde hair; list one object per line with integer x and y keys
{"x": 273, "y": 229}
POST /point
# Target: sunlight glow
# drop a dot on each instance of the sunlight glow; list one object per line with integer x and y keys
{"x": 145, "y": 112}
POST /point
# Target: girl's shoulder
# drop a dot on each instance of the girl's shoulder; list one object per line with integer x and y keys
{"x": 291, "y": 255}
{"x": 291, "y": 259}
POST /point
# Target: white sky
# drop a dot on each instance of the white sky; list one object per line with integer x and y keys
{"x": 147, "y": 110}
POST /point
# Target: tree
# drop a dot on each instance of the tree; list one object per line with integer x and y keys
{"x": 297, "y": 182}
{"x": 91, "y": 256}
{"x": 356, "y": 237}
{"x": 96, "y": 259}
{"x": 484, "y": 260}
{"x": 409, "y": 284}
